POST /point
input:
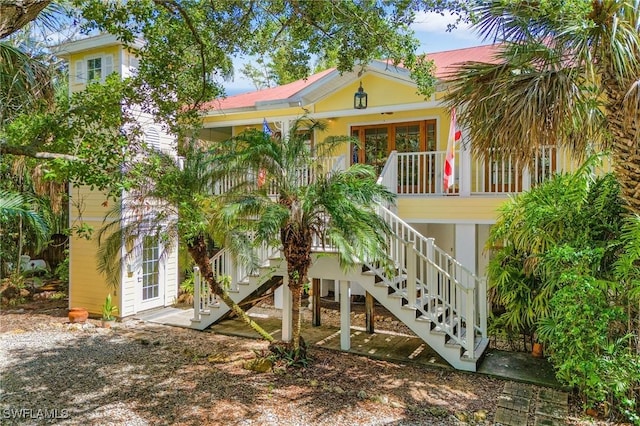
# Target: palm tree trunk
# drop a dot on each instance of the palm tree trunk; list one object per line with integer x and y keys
{"x": 198, "y": 250}
{"x": 296, "y": 245}
{"x": 296, "y": 296}
{"x": 625, "y": 143}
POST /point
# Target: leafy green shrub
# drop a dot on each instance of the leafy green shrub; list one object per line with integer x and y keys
{"x": 583, "y": 337}
{"x": 566, "y": 267}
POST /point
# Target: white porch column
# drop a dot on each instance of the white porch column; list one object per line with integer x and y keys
{"x": 465, "y": 245}
{"x": 277, "y": 297}
{"x": 345, "y": 316}
{"x": 464, "y": 183}
{"x": 287, "y": 323}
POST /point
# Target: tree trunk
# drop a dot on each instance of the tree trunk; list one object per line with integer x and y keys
{"x": 198, "y": 250}
{"x": 296, "y": 299}
{"x": 625, "y": 143}
{"x": 296, "y": 245}
{"x": 16, "y": 14}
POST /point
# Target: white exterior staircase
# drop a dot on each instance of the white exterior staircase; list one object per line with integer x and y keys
{"x": 440, "y": 300}
{"x": 428, "y": 290}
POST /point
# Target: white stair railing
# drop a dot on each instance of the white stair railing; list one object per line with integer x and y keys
{"x": 434, "y": 283}
{"x": 226, "y": 270}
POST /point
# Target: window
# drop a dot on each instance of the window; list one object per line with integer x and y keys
{"x": 94, "y": 69}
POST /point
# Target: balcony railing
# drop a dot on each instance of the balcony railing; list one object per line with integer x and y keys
{"x": 421, "y": 173}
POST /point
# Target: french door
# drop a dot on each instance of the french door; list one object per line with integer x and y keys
{"x": 151, "y": 283}
{"x": 416, "y": 173}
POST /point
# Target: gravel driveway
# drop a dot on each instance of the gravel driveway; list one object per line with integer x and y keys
{"x": 53, "y": 372}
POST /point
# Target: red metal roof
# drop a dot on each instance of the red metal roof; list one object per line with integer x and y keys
{"x": 445, "y": 63}
{"x": 249, "y": 99}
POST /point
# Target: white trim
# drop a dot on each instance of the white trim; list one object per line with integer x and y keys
{"x": 102, "y": 40}
{"x": 449, "y": 221}
{"x": 391, "y": 121}
{"x": 327, "y": 114}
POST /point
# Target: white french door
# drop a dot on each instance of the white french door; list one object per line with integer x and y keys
{"x": 150, "y": 286}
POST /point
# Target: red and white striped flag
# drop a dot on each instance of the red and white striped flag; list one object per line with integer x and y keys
{"x": 455, "y": 135}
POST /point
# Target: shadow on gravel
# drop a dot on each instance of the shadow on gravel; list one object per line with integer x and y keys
{"x": 117, "y": 379}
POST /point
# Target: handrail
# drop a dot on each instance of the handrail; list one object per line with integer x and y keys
{"x": 434, "y": 283}
{"x": 224, "y": 266}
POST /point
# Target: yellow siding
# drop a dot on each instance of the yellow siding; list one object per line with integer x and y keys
{"x": 88, "y": 288}
{"x": 450, "y": 209}
{"x": 99, "y": 51}
{"x": 381, "y": 92}
{"x": 89, "y": 205}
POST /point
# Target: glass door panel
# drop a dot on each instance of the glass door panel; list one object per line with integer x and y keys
{"x": 376, "y": 147}
{"x": 410, "y": 168}
{"x": 150, "y": 270}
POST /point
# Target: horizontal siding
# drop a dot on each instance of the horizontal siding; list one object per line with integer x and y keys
{"x": 380, "y": 91}
{"x": 87, "y": 287}
{"x": 450, "y": 209}
{"x": 89, "y": 205}
{"x": 129, "y": 294}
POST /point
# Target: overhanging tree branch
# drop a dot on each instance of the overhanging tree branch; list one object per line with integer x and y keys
{"x": 30, "y": 151}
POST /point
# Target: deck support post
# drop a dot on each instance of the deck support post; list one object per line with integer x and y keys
{"x": 369, "y": 309}
{"x": 315, "y": 301}
{"x": 196, "y": 293}
{"x": 345, "y": 316}
{"x": 287, "y": 322}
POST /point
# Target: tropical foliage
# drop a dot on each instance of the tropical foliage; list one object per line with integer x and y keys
{"x": 565, "y": 269}
{"x": 566, "y": 73}
{"x": 175, "y": 203}
{"x": 311, "y": 203}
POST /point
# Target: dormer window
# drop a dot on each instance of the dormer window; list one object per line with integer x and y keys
{"x": 93, "y": 69}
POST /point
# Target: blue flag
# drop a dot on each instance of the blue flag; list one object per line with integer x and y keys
{"x": 265, "y": 127}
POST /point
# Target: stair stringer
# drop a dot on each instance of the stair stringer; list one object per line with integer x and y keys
{"x": 424, "y": 328}
{"x": 326, "y": 265}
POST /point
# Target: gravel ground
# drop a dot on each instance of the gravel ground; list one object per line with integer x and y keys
{"x": 145, "y": 374}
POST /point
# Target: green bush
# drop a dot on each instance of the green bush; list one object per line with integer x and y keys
{"x": 566, "y": 267}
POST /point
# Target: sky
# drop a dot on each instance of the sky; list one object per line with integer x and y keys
{"x": 430, "y": 28}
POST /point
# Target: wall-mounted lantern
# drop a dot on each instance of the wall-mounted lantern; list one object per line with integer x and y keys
{"x": 360, "y": 98}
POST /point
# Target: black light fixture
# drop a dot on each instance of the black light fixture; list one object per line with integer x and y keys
{"x": 360, "y": 98}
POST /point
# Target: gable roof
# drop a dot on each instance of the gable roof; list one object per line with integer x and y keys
{"x": 303, "y": 91}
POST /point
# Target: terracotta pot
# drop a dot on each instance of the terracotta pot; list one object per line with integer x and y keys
{"x": 537, "y": 350}
{"x": 108, "y": 323}
{"x": 78, "y": 315}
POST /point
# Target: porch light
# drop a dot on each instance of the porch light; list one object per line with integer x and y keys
{"x": 360, "y": 98}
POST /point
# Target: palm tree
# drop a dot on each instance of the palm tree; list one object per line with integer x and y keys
{"x": 177, "y": 204}
{"x": 566, "y": 73}
{"x": 311, "y": 201}
{"x": 19, "y": 211}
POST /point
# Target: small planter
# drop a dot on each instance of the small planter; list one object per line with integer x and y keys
{"x": 537, "y": 351}
{"x": 108, "y": 323}
{"x": 78, "y": 315}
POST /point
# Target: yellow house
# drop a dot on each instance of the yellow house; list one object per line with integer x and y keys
{"x": 439, "y": 232}
{"x": 151, "y": 279}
